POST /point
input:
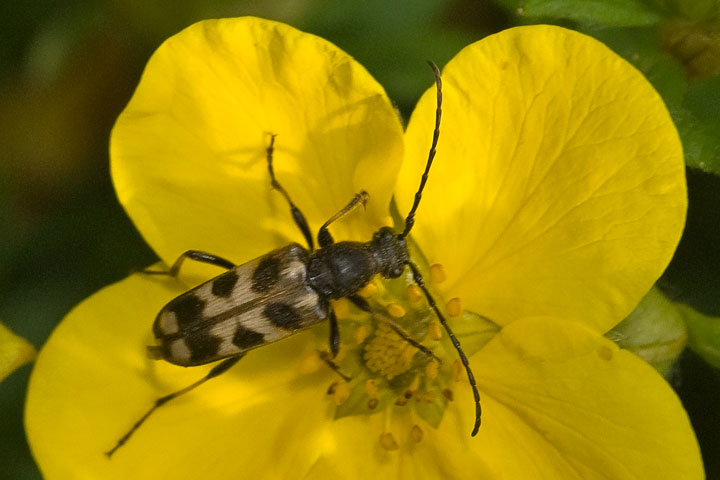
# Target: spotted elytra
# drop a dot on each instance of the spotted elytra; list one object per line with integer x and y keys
{"x": 285, "y": 291}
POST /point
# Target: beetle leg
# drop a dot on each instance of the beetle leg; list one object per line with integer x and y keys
{"x": 196, "y": 255}
{"x": 218, "y": 369}
{"x": 334, "y": 334}
{"x": 297, "y": 215}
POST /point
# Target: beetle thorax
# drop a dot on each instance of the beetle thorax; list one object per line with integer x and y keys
{"x": 341, "y": 269}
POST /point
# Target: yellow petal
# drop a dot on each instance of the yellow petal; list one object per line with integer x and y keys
{"x": 14, "y": 352}
{"x": 354, "y": 450}
{"x": 188, "y": 152}
{"x": 560, "y": 401}
{"x": 558, "y": 188}
{"x": 93, "y": 380}
{"x": 262, "y": 419}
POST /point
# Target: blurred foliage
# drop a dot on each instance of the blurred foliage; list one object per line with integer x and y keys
{"x": 68, "y": 68}
{"x": 655, "y": 331}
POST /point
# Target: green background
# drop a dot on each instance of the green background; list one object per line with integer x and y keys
{"x": 68, "y": 68}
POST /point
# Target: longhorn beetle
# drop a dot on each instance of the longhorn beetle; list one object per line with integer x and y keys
{"x": 285, "y": 291}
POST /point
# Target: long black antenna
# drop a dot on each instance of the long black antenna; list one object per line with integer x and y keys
{"x": 417, "y": 276}
{"x": 456, "y": 343}
{"x": 410, "y": 219}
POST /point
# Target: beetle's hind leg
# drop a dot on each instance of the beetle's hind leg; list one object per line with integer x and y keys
{"x": 195, "y": 255}
{"x": 297, "y": 215}
{"x": 217, "y": 370}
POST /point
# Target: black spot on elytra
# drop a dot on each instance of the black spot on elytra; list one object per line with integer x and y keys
{"x": 223, "y": 285}
{"x": 266, "y": 275}
{"x": 283, "y": 315}
{"x": 188, "y": 309}
{"x": 246, "y": 338}
{"x": 203, "y": 347}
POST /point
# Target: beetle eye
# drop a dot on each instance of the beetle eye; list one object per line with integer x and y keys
{"x": 397, "y": 272}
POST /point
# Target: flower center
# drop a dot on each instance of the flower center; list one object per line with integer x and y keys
{"x": 394, "y": 360}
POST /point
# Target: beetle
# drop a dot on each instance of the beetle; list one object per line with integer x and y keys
{"x": 287, "y": 290}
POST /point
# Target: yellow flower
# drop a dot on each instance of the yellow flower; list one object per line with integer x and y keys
{"x": 555, "y": 201}
{"x": 14, "y": 352}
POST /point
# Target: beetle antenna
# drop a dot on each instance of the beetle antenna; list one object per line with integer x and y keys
{"x": 410, "y": 219}
{"x": 456, "y": 343}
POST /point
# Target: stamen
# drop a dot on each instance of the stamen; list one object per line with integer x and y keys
{"x": 431, "y": 370}
{"x": 368, "y": 290}
{"x": 408, "y": 353}
{"x": 458, "y": 370}
{"x": 454, "y": 307}
{"x": 372, "y": 403}
{"x": 396, "y": 310}
{"x": 341, "y": 307}
{"x": 447, "y": 393}
{"x": 341, "y": 393}
{"x": 414, "y": 293}
{"x": 360, "y": 334}
{"x": 371, "y": 387}
{"x": 416, "y": 433}
{"x": 310, "y": 363}
{"x": 386, "y": 353}
{"x": 437, "y": 273}
{"x": 414, "y": 385}
{"x": 427, "y": 397}
{"x": 387, "y": 441}
{"x": 435, "y": 330}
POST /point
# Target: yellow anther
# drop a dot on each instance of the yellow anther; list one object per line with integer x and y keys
{"x": 371, "y": 387}
{"x": 454, "y": 307}
{"x": 360, "y": 334}
{"x": 431, "y": 370}
{"x": 342, "y": 353}
{"x": 310, "y": 363}
{"x": 396, "y": 310}
{"x": 372, "y": 403}
{"x": 341, "y": 393}
{"x": 416, "y": 433}
{"x": 368, "y": 290}
{"x": 414, "y": 293}
{"x": 387, "y": 441}
{"x": 414, "y": 385}
{"x": 385, "y": 353}
{"x": 401, "y": 402}
{"x": 457, "y": 370}
{"x": 437, "y": 273}
{"x": 408, "y": 353}
{"x": 435, "y": 331}
{"x": 427, "y": 397}
{"x": 341, "y": 307}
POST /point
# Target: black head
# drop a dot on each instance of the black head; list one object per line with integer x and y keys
{"x": 390, "y": 252}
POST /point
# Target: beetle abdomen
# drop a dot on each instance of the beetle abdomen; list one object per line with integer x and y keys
{"x": 259, "y": 302}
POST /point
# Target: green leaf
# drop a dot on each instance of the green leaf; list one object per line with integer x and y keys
{"x": 14, "y": 351}
{"x": 703, "y": 334}
{"x": 619, "y": 13}
{"x": 691, "y": 9}
{"x": 431, "y": 409}
{"x": 473, "y": 331}
{"x": 701, "y": 140}
{"x": 695, "y": 107}
{"x": 654, "y": 331}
